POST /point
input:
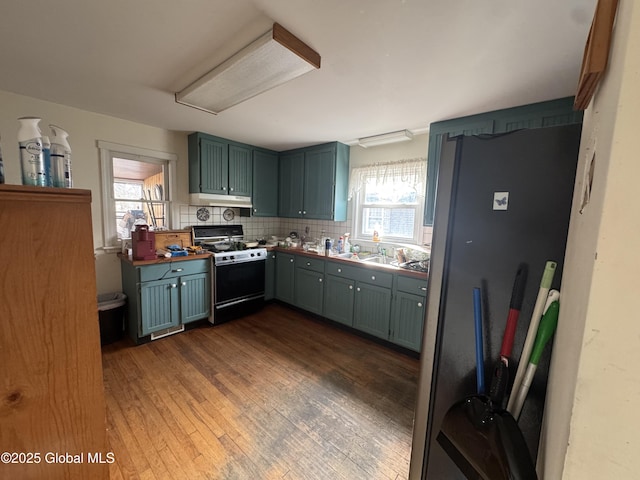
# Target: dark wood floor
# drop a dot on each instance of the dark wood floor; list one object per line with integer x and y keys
{"x": 271, "y": 395}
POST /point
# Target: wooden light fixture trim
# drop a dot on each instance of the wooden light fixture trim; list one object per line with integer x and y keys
{"x": 596, "y": 52}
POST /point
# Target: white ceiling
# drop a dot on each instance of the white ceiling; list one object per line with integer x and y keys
{"x": 386, "y": 64}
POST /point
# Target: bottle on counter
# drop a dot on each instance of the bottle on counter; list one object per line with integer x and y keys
{"x": 340, "y": 245}
{"x": 31, "y": 154}
{"x": 60, "y": 158}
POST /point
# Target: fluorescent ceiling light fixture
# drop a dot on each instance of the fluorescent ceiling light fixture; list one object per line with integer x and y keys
{"x": 273, "y": 59}
{"x": 385, "y": 138}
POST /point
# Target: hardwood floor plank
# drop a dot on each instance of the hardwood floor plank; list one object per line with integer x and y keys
{"x": 276, "y": 395}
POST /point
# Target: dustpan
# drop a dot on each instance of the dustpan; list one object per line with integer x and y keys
{"x": 482, "y": 439}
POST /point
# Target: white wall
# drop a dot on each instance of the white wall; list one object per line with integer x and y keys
{"x": 592, "y": 410}
{"x": 85, "y": 128}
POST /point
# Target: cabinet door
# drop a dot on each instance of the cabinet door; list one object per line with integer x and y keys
{"x": 338, "y": 299}
{"x": 240, "y": 170}
{"x": 408, "y": 320}
{"x": 372, "y": 309}
{"x": 265, "y": 184}
{"x": 214, "y": 166}
{"x": 195, "y": 297}
{"x": 285, "y": 271}
{"x": 159, "y": 307}
{"x": 270, "y": 276}
{"x": 290, "y": 185}
{"x": 319, "y": 183}
{"x": 309, "y": 290}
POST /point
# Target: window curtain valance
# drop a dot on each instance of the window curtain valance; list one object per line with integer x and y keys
{"x": 410, "y": 171}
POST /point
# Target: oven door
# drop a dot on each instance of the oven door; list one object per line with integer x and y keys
{"x": 238, "y": 282}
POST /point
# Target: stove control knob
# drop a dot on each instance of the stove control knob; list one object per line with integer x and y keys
{"x": 253, "y": 254}
{"x": 232, "y": 257}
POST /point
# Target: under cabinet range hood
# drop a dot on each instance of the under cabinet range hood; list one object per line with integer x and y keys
{"x": 214, "y": 200}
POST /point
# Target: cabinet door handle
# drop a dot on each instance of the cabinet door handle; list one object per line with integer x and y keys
{"x": 291, "y": 260}
{"x": 255, "y": 210}
{"x": 184, "y": 284}
{"x": 231, "y": 189}
{"x": 308, "y": 264}
{"x": 304, "y": 212}
{"x": 424, "y": 289}
{"x": 173, "y": 285}
{"x": 224, "y": 188}
{"x": 299, "y": 212}
{"x": 350, "y": 287}
{"x": 373, "y": 277}
{"x": 339, "y": 270}
{"x": 358, "y": 289}
{"x": 320, "y": 280}
{"x": 420, "y": 304}
{"x": 177, "y": 270}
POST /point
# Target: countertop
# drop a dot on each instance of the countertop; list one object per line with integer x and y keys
{"x": 360, "y": 263}
{"x": 129, "y": 259}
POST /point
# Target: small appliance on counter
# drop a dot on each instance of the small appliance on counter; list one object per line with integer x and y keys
{"x": 143, "y": 243}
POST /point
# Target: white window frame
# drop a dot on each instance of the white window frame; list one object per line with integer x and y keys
{"x": 358, "y": 204}
{"x": 108, "y": 151}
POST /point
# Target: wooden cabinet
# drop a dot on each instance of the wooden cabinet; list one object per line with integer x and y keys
{"x": 338, "y": 299}
{"x": 408, "y": 312}
{"x": 52, "y": 395}
{"x": 372, "y": 309}
{"x": 265, "y": 184}
{"x": 163, "y": 296}
{"x": 309, "y": 287}
{"x": 313, "y": 182}
{"x": 285, "y": 277}
{"x": 219, "y": 166}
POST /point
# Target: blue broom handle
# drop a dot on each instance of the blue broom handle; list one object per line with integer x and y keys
{"x": 477, "y": 317}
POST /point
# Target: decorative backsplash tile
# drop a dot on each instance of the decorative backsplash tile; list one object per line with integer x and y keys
{"x": 264, "y": 227}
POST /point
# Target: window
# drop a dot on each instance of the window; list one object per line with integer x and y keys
{"x": 389, "y": 199}
{"x": 136, "y": 189}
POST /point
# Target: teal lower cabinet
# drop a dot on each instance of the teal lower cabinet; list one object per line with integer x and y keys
{"x": 408, "y": 320}
{"x": 372, "y": 309}
{"x": 195, "y": 297}
{"x": 309, "y": 283}
{"x": 380, "y": 302}
{"x": 159, "y": 306}
{"x": 285, "y": 281}
{"x": 338, "y": 299}
{"x": 309, "y": 290}
{"x": 270, "y": 276}
{"x": 165, "y": 295}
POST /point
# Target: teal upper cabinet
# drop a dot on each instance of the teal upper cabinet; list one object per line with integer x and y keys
{"x": 291, "y": 184}
{"x": 537, "y": 115}
{"x": 219, "y": 166}
{"x": 314, "y": 182}
{"x": 265, "y": 183}
{"x": 240, "y": 170}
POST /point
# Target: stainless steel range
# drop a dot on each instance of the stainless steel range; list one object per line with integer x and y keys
{"x": 238, "y": 273}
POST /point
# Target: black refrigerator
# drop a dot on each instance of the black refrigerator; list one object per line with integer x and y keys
{"x": 509, "y": 201}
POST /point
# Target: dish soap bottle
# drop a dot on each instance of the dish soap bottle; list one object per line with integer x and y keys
{"x": 347, "y": 245}
{"x": 31, "y": 155}
{"x": 60, "y": 158}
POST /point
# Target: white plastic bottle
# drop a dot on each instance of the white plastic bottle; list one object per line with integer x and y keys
{"x": 31, "y": 155}
{"x": 46, "y": 152}
{"x": 60, "y": 158}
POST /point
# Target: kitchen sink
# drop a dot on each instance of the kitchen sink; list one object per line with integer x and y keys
{"x": 345, "y": 255}
{"x": 375, "y": 259}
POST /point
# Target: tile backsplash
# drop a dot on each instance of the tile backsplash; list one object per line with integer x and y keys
{"x": 264, "y": 227}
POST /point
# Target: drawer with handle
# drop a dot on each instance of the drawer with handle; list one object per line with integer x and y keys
{"x": 412, "y": 285}
{"x": 172, "y": 269}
